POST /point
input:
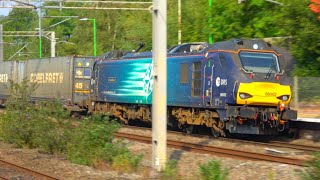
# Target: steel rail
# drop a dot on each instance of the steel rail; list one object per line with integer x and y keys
{"x": 195, "y": 147}
{"x": 306, "y": 148}
{"x": 27, "y": 171}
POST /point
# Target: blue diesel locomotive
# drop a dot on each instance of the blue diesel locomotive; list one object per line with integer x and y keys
{"x": 235, "y": 86}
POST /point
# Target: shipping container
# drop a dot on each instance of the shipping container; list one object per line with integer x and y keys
{"x": 9, "y": 71}
{"x": 64, "y": 78}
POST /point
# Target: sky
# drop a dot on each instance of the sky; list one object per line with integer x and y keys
{"x": 4, "y": 11}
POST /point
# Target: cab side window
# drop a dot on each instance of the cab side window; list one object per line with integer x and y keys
{"x": 196, "y": 79}
{"x": 184, "y": 73}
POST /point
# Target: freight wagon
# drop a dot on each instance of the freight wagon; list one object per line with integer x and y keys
{"x": 64, "y": 78}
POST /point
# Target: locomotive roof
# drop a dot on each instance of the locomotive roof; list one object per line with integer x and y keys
{"x": 236, "y": 44}
{"x": 187, "y": 49}
{"x": 193, "y": 48}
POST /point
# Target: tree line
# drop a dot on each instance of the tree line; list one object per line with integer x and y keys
{"x": 296, "y": 23}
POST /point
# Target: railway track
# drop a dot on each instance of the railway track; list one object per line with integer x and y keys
{"x": 9, "y": 170}
{"x": 278, "y": 144}
{"x": 272, "y": 143}
{"x": 200, "y": 148}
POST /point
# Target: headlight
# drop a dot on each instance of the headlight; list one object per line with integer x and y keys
{"x": 244, "y": 95}
{"x": 284, "y": 97}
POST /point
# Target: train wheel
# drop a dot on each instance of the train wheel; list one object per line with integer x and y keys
{"x": 215, "y": 133}
{"x": 189, "y": 129}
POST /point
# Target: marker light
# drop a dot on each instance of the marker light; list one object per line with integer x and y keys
{"x": 282, "y": 107}
{"x": 250, "y": 75}
{"x": 244, "y": 95}
{"x": 284, "y": 97}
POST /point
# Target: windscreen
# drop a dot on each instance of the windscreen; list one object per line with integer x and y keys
{"x": 259, "y": 62}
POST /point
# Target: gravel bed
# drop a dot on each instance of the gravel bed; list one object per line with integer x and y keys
{"x": 234, "y": 145}
{"x": 188, "y": 163}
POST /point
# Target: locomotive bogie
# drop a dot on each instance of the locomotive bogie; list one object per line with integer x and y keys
{"x": 124, "y": 112}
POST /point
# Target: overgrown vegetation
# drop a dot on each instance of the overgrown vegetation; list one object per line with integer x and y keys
{"x": 312, "y": 172}
{"x": 308, "y": 89}
{"x": 171, "y": 171}
{"x": 213, "y": 171}
{"x": 46, "y": 125}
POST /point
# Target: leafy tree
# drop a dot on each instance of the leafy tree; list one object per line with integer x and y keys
{"x": 315, "y": 7}
{"x": 297, "y": 20}
{"x": 20, "y": 20}
{"x": 304, "y": 29}
{"x": 63, "y": 28}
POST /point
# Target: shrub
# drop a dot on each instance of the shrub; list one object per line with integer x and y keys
{"x": 19, "y": 99}
{"x": 213, "y": 171}
{"x": 48, "y": 126}
{"x": 312, "y": 172}
{"x": 90, "y": 139}
{"x": 14, "y": 131}
{"x": 170, "y": 171}
{"x": 35, "y": 128}
{"x": 126, "y": 162}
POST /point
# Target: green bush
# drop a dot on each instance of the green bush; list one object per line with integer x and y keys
{"x": 19, "y": 99}
{"x": 13, "y": 130}
{"x": 26, "y": 123}
{"x": 89, "y": 140}
{"x": 48, "y": 126}
{"x": 126, "y": 162}
{"x": 92, "y": 141}
{"x": 171, "y": 171}
{"x": 312, "y": 172}
{"x": 213, "y": 171}
{"x": 35, "y": 127}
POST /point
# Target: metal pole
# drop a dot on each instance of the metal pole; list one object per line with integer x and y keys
{"x": 1, "y": 43}
{"x": 159, "y": 98}
{"x": 94, "y": 38}
{"x": 210, "y": 22}
{"x": 94, "y": 34}
{"x": 179, "y": 21}
{"x": 53, "y": 44}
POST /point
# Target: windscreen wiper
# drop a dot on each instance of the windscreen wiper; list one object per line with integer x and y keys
{"x": 270, "y": 70}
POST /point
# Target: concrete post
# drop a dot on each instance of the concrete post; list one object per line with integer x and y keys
{"x": 159, "y": 96}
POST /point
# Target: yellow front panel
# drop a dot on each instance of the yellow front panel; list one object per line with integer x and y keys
{"x": 263, "y": 93}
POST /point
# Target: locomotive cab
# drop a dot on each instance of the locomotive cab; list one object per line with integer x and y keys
{"x": 251, "y": 90}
